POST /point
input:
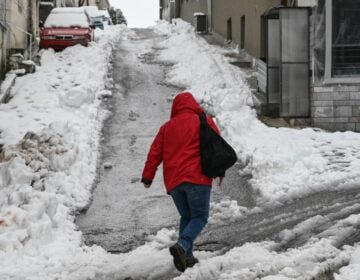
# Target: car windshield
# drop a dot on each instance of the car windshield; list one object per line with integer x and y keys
{"x": 67, "y": 20}
{"x": 97, "y": 19}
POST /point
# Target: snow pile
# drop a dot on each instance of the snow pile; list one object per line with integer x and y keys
{"x": 283, "y": 162}
{"x": 226, "y": 211}
{"x": 260, "y": 261}
{"x": 48, "y": 162}
{"x": 352, "y": 271}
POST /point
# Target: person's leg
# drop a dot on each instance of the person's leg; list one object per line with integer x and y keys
{"x": 181, "y": 203}
{"x": 177, "y": 251}
{"x": 198, "y": 199}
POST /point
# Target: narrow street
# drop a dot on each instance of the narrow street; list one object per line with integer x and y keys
{"x": 84, "y": 89}
{"x": 122, "y": 212}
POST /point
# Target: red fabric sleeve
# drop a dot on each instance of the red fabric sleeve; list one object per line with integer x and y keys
{"x": 154, "y": 157}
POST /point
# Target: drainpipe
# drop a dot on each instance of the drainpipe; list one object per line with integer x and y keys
{"x": 30, "y": 23}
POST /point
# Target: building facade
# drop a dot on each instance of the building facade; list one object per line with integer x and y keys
{"x": 19, "y": 21}
{"x": 187, "y": 10}
{"x": 242, "y": 22}
{"x": 335, "y": 90}
{"x": 309, "y": 51}
{"x": 190, "y": 8}
{"x": 101, "y": 4}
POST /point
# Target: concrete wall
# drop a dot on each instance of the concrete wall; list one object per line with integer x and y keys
{"x": 21, "y": 16}
{"x": 104, "y": 5}
{"x": 167, "y": 10}
{"x": 17, "y": 17}
{"x": 101, "y": 4}
{"x": 189, "y": 7}
{"x": 235, "y": 9}
{"x": 35, "y": 18}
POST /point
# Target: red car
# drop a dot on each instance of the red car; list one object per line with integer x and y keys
{"x": 65, "y": 27}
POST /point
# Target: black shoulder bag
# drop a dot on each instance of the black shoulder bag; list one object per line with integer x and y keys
{"x": 216, "y": 154}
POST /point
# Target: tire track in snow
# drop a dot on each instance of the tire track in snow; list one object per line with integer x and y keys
{"x": 268, "y": 224}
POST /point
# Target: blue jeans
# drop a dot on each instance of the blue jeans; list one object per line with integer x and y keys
{"x": 192, "y": 202}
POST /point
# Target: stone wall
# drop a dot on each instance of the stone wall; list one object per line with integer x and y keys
{"x": 336, "y": 108}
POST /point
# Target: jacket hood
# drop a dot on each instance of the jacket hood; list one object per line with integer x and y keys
{"x": 185, "y": 101}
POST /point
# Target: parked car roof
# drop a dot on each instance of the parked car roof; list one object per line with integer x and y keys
{"x": 92, "y": 11}
{"x": 67, "y": 20}
{"x": 105, "y": 13}
{"x": 77, "y": 10}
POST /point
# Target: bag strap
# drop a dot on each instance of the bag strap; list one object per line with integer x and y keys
{"x": 202, "y": 117}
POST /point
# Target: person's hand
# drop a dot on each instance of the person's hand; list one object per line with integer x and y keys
{"x": 146, "y": 182}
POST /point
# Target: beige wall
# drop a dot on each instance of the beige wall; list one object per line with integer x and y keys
{"x": 21, "y": 16}
{"x": 18, "y": 19}
{"x": 234, "y": 9}
{"x": 189, "y": 7}
{"x": 104, "y": 5}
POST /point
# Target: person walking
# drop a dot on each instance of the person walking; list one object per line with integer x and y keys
{"x": 177, "y": 146}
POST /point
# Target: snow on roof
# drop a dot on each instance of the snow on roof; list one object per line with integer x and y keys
{"x": 91, "y": 8}
{"x": 67, "y": 20}
{"x": 79, "y": 10}
{"x": 93, "y": 11}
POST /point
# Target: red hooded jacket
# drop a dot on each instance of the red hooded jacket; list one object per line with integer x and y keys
{"x": 177, "y": 145}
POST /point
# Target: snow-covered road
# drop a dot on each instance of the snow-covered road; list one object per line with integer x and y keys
{"x": 123, "y": 212}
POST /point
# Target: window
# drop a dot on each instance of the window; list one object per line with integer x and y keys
{"x": 342, "y": 40}
{"x": 346, "y": 38}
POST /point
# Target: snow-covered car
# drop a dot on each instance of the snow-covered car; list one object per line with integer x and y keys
{"x": 106, "y": 17}
{"x": 66, "y": 27}
{"x": 95, "y": 16}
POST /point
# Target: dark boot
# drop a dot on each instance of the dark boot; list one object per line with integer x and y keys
{"x": 179, "y": 257}
{"x": 191, "y": 261}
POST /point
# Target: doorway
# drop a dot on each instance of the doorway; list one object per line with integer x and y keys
{"x": 287, "y": 55}
{"x": 242, "y": 32}
{"x": 229, "y": 30}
